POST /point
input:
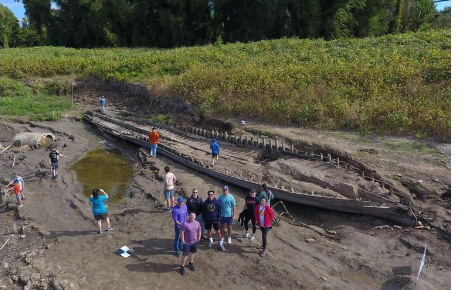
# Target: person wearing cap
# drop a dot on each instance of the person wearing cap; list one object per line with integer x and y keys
{"x": 16, "y": 189}
{"x": 102, "y": 103}
{"x": 53, "y": 159}
{"x": 21, "y": 183}
{"x": 169, "y": 188}
{"x": 215, "y": 147}
{"x": 190, "y": 236}
{"x": 179, "y": 215}
{"x": 264, "y": 216}
{"x": 211, "y": 214}
{"x": 100, "y": 209}
{"x": 154, "y": 140}
{"x": 194, "y": 203}
{"x": 249, "y": 213}
{"x": 228, "y": 205}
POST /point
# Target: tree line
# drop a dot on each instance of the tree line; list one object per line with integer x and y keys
{"x": 176, "y": 23}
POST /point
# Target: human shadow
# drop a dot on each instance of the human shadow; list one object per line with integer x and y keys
{"x": 400, "y": 278}
{"x": 56, "y": 234}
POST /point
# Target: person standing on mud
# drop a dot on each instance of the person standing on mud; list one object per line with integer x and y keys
{"x": 211, "y": 214}
{"x": 264, "y": 216}
{"x": 228, "y": 206}
{"x": 102, "y": 103}
{"x": 100, "y": 209}
{"x": 194, "y": 203}
{"x": 249, "y": 211}
{"x": 16, "y": 189}
{"x": 154, "y": 140}
{"x": 179, "y": 215}
{"x": 53, "y": 159}
{"x": 266, "y": 193}
{"x": 215, "y": 147}
{"x": 190, "y": 236}
{"x": 169, "y": 186}
{"x": 21, "y": 183}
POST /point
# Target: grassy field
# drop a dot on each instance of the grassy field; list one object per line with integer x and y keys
{"x": 395, "y": 84}
{"x": 38, "y": 103}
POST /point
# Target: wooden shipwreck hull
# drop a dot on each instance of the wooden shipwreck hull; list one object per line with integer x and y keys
{"x": 398, "y": 212}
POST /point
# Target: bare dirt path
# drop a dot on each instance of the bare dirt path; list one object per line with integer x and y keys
{"x": 60, "y": 249}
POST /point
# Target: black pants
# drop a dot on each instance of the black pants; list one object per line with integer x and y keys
{"x": 253, "y": 223}
{"x": 264, "y": 234}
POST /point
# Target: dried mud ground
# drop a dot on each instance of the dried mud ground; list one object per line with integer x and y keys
{"x": 51, "y": 243}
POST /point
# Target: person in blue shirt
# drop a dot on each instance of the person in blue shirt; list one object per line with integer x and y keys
{"x": 179, "y": 215}
{"x": 228, "y": 206}
{"x": 100, "y": 209}
{"x": 21, "y": 183}
{"x": 102, "y": 102}
{"x": 215, "y": 147}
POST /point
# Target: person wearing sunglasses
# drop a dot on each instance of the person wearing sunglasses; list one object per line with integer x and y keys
{"x": 194, "y": 203}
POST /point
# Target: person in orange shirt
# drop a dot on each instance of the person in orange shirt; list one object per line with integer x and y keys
{"x": 153, "y": 139}
{"x": 16, "y": 190}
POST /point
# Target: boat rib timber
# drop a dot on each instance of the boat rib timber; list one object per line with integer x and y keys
{"x": 138, "y": 134}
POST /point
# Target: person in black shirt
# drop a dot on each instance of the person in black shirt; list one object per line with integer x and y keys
{"x": 53, "y": 159}
{"x": 249, "y": 212}
{"x": 194, "y": 204}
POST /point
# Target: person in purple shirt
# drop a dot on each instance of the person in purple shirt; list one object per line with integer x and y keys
{"x": 190, "y": 236}
{"x": 179, "y": 214}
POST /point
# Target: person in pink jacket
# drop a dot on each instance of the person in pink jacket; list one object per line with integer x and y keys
{"x": 264, "y": 217}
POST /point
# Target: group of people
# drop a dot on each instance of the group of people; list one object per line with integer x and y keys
{"x": 17, "y": 185}
{"x": 192, "y": 215}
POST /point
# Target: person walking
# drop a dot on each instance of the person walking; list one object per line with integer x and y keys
{"x": 21, "y": 183}
{"x": 53, "y": 159}
{"x": 194, "y": 203}
{"x": 264, "y": 216}
{"x": 179, "y": 215}
{"x": 266, "y": 193}
{"x": 215, "y": 147}
{"x": 102, "y": 103}
{"x": 154, "y": 140}
{"x": 169, "y": 186}
{"x": 211, "y": 213}
{"x": 16, "y": 189}
{"x": 249, "y": 212}
{"x": 228, "y": 206}
{"x": 190, "y": 236}
{"x": 100, "y": 209}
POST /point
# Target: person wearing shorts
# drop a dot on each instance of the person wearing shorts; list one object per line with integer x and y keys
{"x": 16, "y": 189}
{"x": 53, "y": 159}
{"x": 169, "y": 188}
{"x": 100, "y": 209}
{"x": 190, "y": 236}
{"x": 211, "y": 214}
{"x": 228, "y": 206}
{"x": 21, "y": 183}
{"x": 215, "y": 147}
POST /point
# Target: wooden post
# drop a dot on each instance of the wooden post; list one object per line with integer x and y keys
{"x": 322, "y": 156}
{"x": 292, "y": 148}
{"x": 337, "y": 161}
{"x": 72, "y": 94}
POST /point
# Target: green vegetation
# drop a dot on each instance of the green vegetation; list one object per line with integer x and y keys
{"x": 17, "y": 99}
{"x": 412, "y": 146}
{"x": 395, "y": 84}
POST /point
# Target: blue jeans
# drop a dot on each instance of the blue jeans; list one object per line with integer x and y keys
{"x": 103, "y": 109}
{"x": 153, "y": 149}
{"x": 202, "y": 224}
{"x": 177, "y": 241}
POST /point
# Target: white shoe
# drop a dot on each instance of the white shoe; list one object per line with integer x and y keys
{"x": 252, "y": 238}
{"x": 210, "y": 245}
{"x": 247, "y": 235}
{"x": 229, "y": 240}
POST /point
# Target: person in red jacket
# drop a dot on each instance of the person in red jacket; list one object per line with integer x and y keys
{"x": 153, "y": 139}
{"x": 264, "y": 217}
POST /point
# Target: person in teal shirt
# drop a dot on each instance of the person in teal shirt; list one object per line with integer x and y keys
{"x": 266, "y": 194}
{"x": 99, "y": 208}
{"x": 228, "y": 205}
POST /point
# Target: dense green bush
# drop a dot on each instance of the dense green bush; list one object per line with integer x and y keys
{"x": 391, "y": 84}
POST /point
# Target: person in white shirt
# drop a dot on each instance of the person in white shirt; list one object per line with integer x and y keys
{"x": 169, "y": 188}
{"x": 21, "y": 183}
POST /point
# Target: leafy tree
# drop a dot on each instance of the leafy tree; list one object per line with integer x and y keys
{"x": 8, "y": 27}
